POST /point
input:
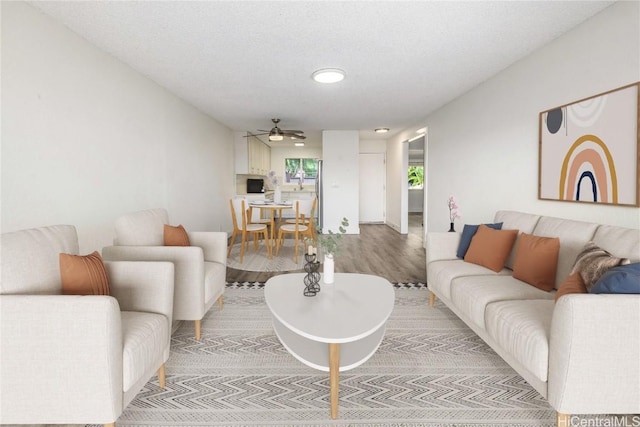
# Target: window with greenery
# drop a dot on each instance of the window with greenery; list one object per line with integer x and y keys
{"x": 305, "y": 170}
{"x": 416, "y": 176}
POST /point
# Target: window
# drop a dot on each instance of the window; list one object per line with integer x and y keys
{"x": 300, "y": 170}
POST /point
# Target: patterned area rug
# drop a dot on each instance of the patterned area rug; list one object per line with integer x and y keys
{"x": 430, "y": 370}
{"x": 259, "y": 261}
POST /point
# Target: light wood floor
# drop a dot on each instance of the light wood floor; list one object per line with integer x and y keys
{"x": 378, "y": 250}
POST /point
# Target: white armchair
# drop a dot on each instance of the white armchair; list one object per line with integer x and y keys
{"x": 200, "y": 269}
{"x": 69, "y": 359}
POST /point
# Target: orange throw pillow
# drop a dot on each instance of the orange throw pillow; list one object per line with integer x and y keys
{"x": 536, "y": 261}
{"x": 175, "y": 236}
{"x": 490, "y": 248}
{"x": 83, "y": 275}
{"x": 571, "y": 285}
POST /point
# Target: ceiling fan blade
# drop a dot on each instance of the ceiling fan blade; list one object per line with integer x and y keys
{"x": 263, "y": 130}
{"x": 255, "y": 134}
{"x": 291, "y": 131}
{"x": 294, "y": 135}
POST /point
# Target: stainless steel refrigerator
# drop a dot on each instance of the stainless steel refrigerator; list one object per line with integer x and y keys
{"x": 319, "y": 190}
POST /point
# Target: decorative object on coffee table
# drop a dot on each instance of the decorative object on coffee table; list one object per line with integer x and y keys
{"x": 311, "y": 286}
{"x": 330, "y": 244}
{"x": 454, "y": 212}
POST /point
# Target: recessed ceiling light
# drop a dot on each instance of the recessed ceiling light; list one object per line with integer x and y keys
{"x": 422, "y": 130}
{"x": 299, "y": 144}
{"x": 382, "y": 130}
{"x": 328, "y": 75}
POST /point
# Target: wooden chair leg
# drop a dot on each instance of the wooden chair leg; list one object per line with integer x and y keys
{"x": 563, "y": 420}
{"x": 255, "y": 242}
{"x": 198, "y": 326}
{"x": 295, "y": 251}
{"x": 267, "y": 244}
{"x": 220, "y": 302}
{"x": 279, "y": 242}
{"x": 244, "y": 239}
{"x": 233, "y": 241}
{"x": 162, "y": 378}
{"x": 432, "y": 299}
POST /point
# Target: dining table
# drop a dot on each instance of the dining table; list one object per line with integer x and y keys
{"x": 271, "y": 208}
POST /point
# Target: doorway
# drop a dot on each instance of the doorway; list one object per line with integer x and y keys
{"x": 372, "y": 174}
{"x": 415, "y": 177}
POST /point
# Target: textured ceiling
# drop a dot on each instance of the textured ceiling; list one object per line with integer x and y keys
{"x": 245, "y": 62}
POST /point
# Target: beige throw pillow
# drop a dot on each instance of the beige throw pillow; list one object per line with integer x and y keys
{"x": 593, "y": 262}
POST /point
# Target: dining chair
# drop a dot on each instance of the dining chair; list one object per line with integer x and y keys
{"x": 245, "y": 228}
{"x": 256, "y": 216}
{"x": 299, "y": 228}
{"x": 307, "y": 212}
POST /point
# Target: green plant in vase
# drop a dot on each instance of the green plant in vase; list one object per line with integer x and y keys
{"x": 330, "y": 242}
{"x": 329, "y": 245}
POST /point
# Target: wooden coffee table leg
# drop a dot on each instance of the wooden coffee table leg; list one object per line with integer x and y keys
{"x": 334, "y": 377}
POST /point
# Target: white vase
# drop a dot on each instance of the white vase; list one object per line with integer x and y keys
{"x": 328, "y": 269}
{"x": 277, "y": 196}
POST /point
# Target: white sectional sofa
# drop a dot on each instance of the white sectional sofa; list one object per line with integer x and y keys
{"x": 582, "y": 353}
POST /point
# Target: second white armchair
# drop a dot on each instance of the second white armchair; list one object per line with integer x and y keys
{"x": 200, "y": 269}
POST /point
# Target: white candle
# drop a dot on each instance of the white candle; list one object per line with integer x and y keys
{"x": 310, "y": 250}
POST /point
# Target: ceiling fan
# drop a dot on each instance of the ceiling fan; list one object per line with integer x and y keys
{"x": 277, "y": 134}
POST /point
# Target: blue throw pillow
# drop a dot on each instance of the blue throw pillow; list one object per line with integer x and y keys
{"x": 623, "y": 279}
{"x": 467, "y": 234}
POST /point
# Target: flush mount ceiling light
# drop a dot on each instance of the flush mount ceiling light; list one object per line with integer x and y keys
{"x": 328, "y": 75}
{"x": 382, "y": 130}
{"x": 276, "y": 137}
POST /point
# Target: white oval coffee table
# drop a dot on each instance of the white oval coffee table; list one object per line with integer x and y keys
{"x": 348, "y": 315}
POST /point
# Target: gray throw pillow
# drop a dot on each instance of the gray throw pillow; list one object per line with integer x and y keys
{"x": 593, "y": 261}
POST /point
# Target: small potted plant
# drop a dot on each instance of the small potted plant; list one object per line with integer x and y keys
{"x": 329, "y": 245}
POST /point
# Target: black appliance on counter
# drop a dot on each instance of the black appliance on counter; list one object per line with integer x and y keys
{"x": 255, "y": 185}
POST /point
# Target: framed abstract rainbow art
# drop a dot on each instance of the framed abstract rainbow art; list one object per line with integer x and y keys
{"x": 589, "y": 150}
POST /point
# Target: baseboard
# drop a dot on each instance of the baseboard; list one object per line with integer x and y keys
{"x": 394, "y": 226}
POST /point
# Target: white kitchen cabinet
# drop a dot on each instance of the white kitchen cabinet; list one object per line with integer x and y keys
{"x": 253, "y": 157}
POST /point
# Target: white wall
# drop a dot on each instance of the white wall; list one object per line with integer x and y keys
{"x": 85, "y": 138}
{"x": 483, "y": 147}
{"x": 340, "y": 154}
{"x": 373, "y": 145}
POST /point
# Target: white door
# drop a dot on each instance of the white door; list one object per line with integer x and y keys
{"x": 372, "y": 187}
